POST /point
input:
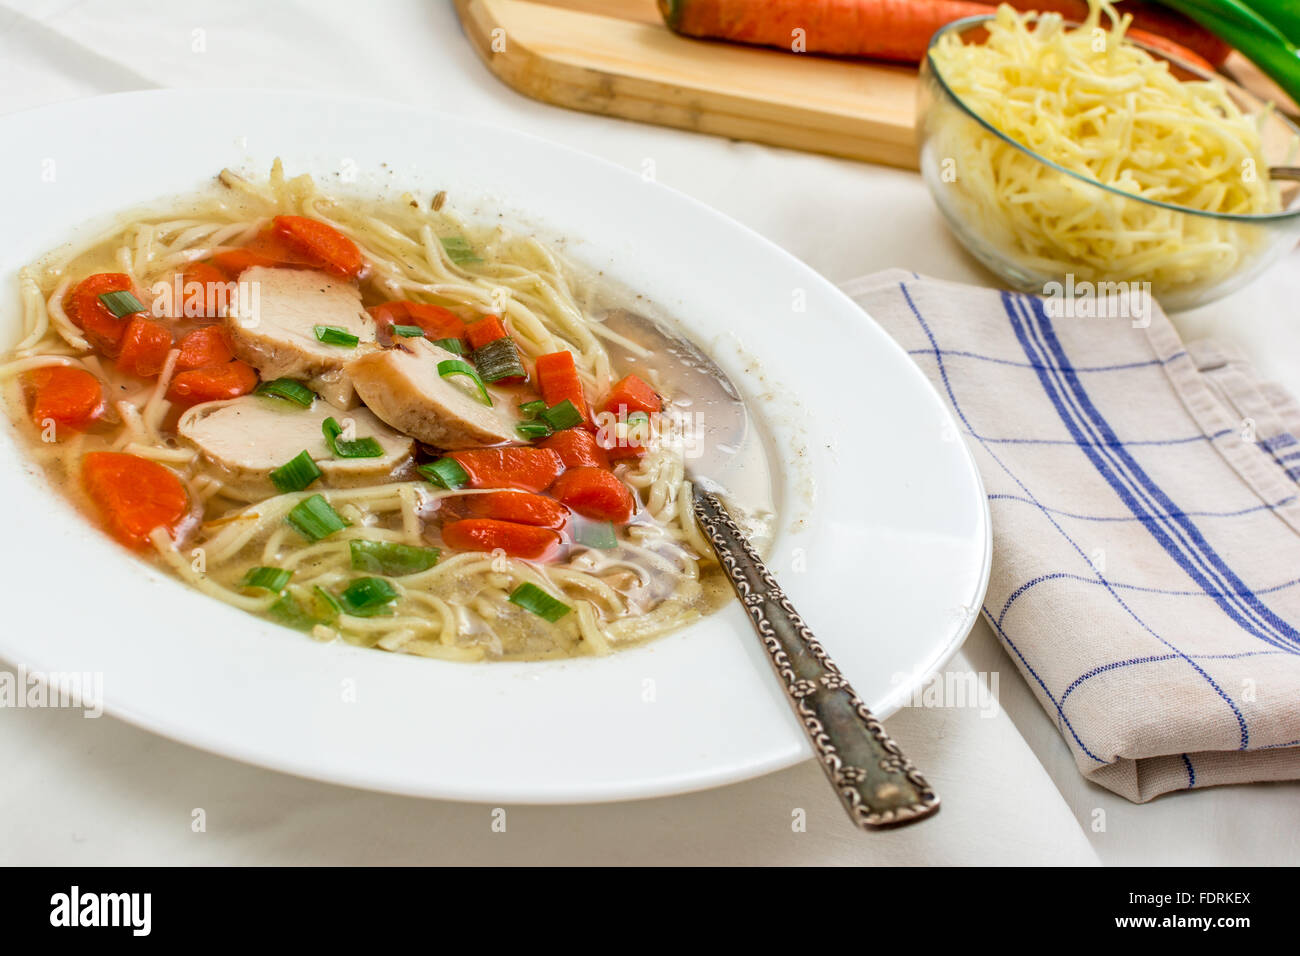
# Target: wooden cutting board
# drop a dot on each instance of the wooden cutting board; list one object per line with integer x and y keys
{"x": 616, "y": 58}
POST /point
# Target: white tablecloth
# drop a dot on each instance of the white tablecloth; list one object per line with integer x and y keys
{"x": 80, "y": 791}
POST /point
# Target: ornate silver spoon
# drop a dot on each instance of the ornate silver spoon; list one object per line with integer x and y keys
{"x": 877, "y": 784}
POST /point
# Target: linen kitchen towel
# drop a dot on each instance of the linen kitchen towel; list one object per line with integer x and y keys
{"x": 1146, "y": 525}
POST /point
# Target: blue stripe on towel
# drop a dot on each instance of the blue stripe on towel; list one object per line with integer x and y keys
{"x": 1170, "y": 592}
{"x": 1123, "y": 367}
{"x": 1273, "y": 448}
{"x": 1181, "y": 539}
{"x": 1155, "y": 659}
{"x": 1131, "y": 443}
{"x": 1009, "y": 303}
{"x": 961, "y": 415}
{"x": 1130, "y": 517}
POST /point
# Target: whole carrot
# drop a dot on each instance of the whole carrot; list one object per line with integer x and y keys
{"x": 901, "y": 29}
{"x": 1167, "y": 46}
{"x": 882, "y": 29}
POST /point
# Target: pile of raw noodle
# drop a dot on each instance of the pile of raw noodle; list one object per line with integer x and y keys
{"x": 1111, "y": 113}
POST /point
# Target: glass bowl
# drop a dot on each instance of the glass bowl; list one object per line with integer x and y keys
{"x": 1230, "y": 249}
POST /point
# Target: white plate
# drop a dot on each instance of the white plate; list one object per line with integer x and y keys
{"x": 884, "y": 545}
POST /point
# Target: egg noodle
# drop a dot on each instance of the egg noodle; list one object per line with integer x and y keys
{"x": 1112, "y": 113}
{"x": 659, "y": 575}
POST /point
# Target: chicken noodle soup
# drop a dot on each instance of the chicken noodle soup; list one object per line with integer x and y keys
{"x": 367, "y": 420}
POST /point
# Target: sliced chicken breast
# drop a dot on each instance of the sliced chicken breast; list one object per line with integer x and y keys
{"x": 402, "y": 386}
{"x": 245, "y": 439}
{"x": 272, "y": 323}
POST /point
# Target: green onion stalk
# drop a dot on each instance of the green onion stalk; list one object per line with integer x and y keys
{"x": 1263, "y": 31}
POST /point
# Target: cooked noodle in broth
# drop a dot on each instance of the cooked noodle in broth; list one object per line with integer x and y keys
{"x": 158, "y": 423}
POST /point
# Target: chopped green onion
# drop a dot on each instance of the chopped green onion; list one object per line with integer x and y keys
{"x": 287, "y": 389}
{"x": 357, "y": 448}
{"x": 532, "y": 409}
{"x": 499, "y": 359}
{"x": 457, "y": 367}
{"x": 295, "y": 474}
{"x": 596, "y": 534}
{"x": 325, "y": 605}
{"x": 274, "y": 580}
{"x": 408, "y": 331}
{"x": 445, "y": 473}
{"x": 315, "y": 519}
{"x": 562, "y": 415}
{"x": 121, "y": 303}
{"x": 531, "y": 430}
{"x": 454, "y": 346}
{"x": 367, "y": 597}
{"x": 322, "y": 608}
{"x": 532, "y": 598}
{"x": 335, "y": 335}
{"x": 391, "y": 558}
{"x": 459, "y": 250}
{"x": 290, "y": 613}
{"x": 638, "y": 417}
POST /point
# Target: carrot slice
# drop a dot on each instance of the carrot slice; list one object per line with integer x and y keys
{"x": 133, "y": 495}
{"x": 266, "y": 249}
{"x": 525, "y": 468}
{"x": 103, "y": 329}
{"x": 595, "y": 493}
{"x": 488, "y": 534}
{"x": 203, "y": 347}
{"x": 234, "y": 261}
{"x": 632, "y": 394}
{"x": 65, "y": 395}
{"x": 485, "y": 330}
{"x": 521, "y": 507}
{"x": 332, "y": 251}
{"x": 576, "y": 447}
{"x": 622, "y": 452}
{"x": 557, "y": 379}
{"x": 203, "y": 286}
{"x": 437, "y": 322}
{"x": 203, "y": 273}
{"x": 144, "y": 347}
{"x": 212, "y": 383}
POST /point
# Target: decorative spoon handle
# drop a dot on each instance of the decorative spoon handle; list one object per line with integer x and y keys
{"x": 877, "y": 784}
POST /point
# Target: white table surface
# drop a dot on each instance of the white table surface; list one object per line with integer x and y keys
{"x": 98, "y": 791}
